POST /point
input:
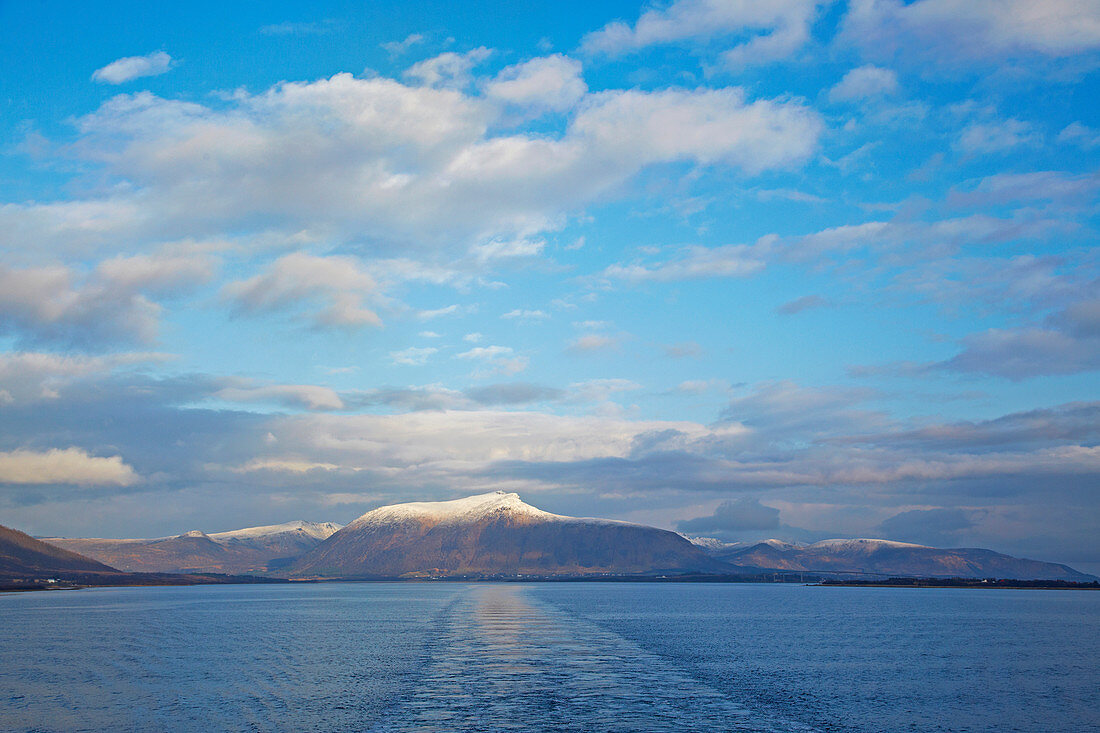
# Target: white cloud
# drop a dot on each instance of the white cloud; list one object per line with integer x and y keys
{"x": 111, "y": 304}
{"x": 996, "y": 136}
{"x": 413, "y": 356}
{"x": 448, "y": 69}
{"x": 133, "y": 67}
{"x": 339, "y": 283}
{"x": 526, "y": 315}
{"x": 390, "y": 167}
{"x": 396, "y": 48}
{"x": 974, "y": 31}
{"x": 497, "y": 360}
{"x": 1081, "y": 135}
{"x": 864, "y": 82}
{"x": 284, "y": 465}
{"x": 593, "y": 342}
{"x": 454, "y": 440}
{"x": 708, "y": 126}
{"x": 777, "y": 29}
{"x": 485, "y": 352}
{"x": 64, "y": 466}
{"x": 547, "y": 84}
{"x": 427, "y": 315}
{"x": 695, "y": 263}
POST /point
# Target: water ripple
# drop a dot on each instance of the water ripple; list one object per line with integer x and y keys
{"x": 503, "y": 661}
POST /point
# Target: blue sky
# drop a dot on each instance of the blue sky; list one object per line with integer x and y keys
{"x": 794, "y": 269}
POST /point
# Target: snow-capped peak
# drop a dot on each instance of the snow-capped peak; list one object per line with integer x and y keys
{"x": 861, "y": 545}
{"x": 710, "y": 543}
{"x": 318, "y": 530}
{"x": 470, "y": 509}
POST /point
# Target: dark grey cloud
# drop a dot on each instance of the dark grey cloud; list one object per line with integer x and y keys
{"x": 1068, "y": 344}
{"x": 936, "y": 527}
{"x": 733, "y": 516}
{"x": 1073, "y": 423}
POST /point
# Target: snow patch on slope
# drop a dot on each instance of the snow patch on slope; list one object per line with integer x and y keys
{"x": 862, "y": 545}
{"x": 469, "y": 510}
{"x": 318, "y": 530}
{"x": 458, "y": 511}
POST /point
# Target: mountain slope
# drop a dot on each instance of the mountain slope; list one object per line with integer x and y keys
{"x": 249, "y": 550}
{"x": 887, "y": 558}
{"x": 496, "y": 534}
{"x": 22, "y": 556}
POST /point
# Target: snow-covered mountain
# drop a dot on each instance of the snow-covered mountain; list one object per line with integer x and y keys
{"x": 249, "y": 550}
{"x": 496, "y": 534}
{"x": 875, "y": 557}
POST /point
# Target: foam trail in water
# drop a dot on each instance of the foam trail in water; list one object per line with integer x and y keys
{"x": 503, "y": 661}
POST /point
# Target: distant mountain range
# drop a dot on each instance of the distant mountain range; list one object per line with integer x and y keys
{"x": 499, "y": 535}
{"x": 871, "y": 557}
{"x": 252, "y": 550}
{"x": 27, "y": 563}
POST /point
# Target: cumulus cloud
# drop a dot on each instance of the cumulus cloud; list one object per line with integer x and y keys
{"x": 944, "y": 32}
{"x": 64, "y": 466}
{"x": 133, "y": 67}
{"x": 112, "y": 304}
{"x": 332, "y": 289}
{"x": 413, "y": 356}
{"x": 448, "y": 69}
{"x": 996, "y": 136}
{"x": 708, "y": 126}
{"x": 547, "y": 84}
{"x": 495, "y": 360}
{"x": 388, "y": 167}
{"x": 776, "y": 30}
{"x": 863, "y": 83}
{"x": 396, "y": 48}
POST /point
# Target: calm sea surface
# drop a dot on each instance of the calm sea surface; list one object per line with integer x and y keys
{"x": 546, "y": 657}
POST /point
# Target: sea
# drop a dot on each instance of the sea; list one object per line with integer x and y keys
{"x": 591, "y": 657}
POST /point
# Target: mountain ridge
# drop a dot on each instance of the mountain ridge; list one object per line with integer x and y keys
{"x": 879, "y": 557}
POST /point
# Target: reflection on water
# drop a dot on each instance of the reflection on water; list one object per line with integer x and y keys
{"x": 501, "y": 661}
{"x": 399, "y": 657}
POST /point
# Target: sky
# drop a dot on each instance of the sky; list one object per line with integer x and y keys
{"x": 792, "y": 269}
